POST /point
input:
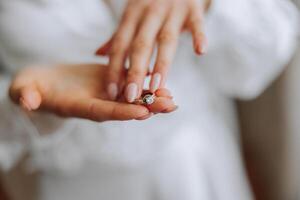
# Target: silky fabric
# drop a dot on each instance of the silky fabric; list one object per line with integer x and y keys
{"x": 193, "y": 153}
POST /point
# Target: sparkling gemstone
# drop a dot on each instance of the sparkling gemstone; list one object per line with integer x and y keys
{"x": 148, "y": 99}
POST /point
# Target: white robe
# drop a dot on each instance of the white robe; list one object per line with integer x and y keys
{"x": 191, "y": 154}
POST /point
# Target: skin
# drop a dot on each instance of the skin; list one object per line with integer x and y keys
{"x": 75, "y": 91}
{"x": 144, "y": 25}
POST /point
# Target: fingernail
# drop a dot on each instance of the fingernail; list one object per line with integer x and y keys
{"x": 24, "y": 104}
{"x": 204, "y": 45}
{"x": 155, "y": 82}
{"x": 98, "y": 51}
{"x": 170, "y": 110}
{"x": 112, "y": 90}
{"x": 145, "y": 117}
{"x": 131, "y": 92}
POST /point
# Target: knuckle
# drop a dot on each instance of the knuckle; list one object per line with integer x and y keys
{"x": 113, "y": 71}
{"x": 141, "y": 44}
{"x": 162, "y": 63}
{"x": 153, "y": 8}
{"x": 115, "y": 51}
{"x": 134, "y": 73}
{"x": 127, "y": 15}
{"x": 195, "y": 19}
{"x": 119, "y": 42}
{"x": 132, "y": 4}
{"x": 91, "y": 112}
{"x": 113, "y": 74}
{"x": 167, "y": 36}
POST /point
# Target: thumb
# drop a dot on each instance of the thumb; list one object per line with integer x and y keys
{"x": 30, "y": 98}
{"x": 27, "y": 96}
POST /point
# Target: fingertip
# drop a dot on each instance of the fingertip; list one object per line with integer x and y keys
{"x": 101, "y": 52}
{"x": 161, "y": 104}
{"x": 139, "y": 112}
{"x": 163, "y": 92}
{"x": 197, "y": 48}
{"x": 204, "y": 45}
{"x": 200, "y": 45}
{"x": 147, "y": 116}
{"x": 169, "y": 110}
{"x": 104, "y": 49}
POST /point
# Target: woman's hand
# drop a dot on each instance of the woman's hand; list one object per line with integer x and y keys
{"x": 75, "y": 91}
{"x": 145, "y": 23}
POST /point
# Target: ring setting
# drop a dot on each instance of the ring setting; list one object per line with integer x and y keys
{"x": 146, "y": 99}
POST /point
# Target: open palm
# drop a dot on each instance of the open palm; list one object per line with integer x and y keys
{"x": 75, "y": 91}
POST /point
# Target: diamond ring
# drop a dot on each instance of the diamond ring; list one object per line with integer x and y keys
{"x": 146, "y": 99}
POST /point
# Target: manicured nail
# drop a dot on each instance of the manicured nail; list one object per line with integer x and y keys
{"x": 145, "y": 117}
{"x": 204, "y": 45}
{"x": 155, "y": 82}
{"x": 99, "y": 51}
{"x": 112, "y": 90}
{"x": 33, "y": 99}
{"x": 131, "y": 92}
{"x": 25, "y": 105}
{"x": 201, "y": 46}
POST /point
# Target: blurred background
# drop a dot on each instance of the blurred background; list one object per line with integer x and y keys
{"x": 270, "y": 129}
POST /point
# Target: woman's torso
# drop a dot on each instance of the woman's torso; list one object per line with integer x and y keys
{"x": 45, "y": 31}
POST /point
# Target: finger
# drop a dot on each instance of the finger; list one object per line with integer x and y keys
{"x": 100, "y": 110}
{"x": 171, "y": 109}
{"x": 104, "y": 49}
{"x": 161, "y": 104}
{"x": 163, "y": 93}
{"x": 195, "y": 24}
{"x": 120, "y": 45}
{"x": 146, "y": 116}
{"x": 167, "y": 44}
{"x": 30, "y": 98}
{"x": 142, "y": 48}
{"x": 24, "y": 92}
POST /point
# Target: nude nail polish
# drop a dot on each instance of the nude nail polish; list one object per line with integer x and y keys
{"x": 204, "y": 47}
{"x": 155, "y": 82}
{"x": 24, "y": 104}
{"x": 112, "y": 90}
{"x": 131, "y": 92}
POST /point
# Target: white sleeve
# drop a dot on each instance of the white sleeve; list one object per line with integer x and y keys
{"x": 250, "y": 42}
{"x": 23, "y": 133}
{"x": 117, "y": 7}
{"x": 13, "y": 133}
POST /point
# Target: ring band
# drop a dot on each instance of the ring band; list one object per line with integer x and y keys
{"x": 146, "y": 99}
